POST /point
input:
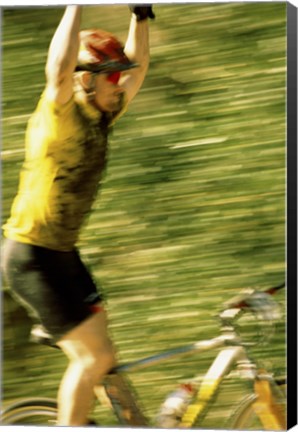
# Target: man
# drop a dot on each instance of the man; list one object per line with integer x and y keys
{"x": 90, "y": 81}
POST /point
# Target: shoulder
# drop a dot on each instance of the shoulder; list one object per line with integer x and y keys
{"x": 49, "y": 103}
{"x": 54, "y": 120}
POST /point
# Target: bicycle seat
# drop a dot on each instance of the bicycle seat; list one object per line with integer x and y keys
{"x": 40, "y": 335}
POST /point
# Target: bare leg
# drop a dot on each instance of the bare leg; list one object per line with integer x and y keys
{"x": 91, "y": 356}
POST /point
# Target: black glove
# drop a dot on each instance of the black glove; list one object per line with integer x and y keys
{"x": 142, "y": 12}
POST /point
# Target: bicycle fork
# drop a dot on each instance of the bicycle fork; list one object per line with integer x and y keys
{"x": 268, "y": 406}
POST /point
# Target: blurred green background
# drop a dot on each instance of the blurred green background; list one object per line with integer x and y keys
{"x": 192, "y": 208}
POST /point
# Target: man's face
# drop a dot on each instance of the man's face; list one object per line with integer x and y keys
{"x": 108, "y": 92}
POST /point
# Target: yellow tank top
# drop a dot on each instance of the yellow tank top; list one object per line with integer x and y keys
{"x": 65, "y": 156}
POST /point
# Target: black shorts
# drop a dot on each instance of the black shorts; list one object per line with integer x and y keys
{"x": 55, "y": 287}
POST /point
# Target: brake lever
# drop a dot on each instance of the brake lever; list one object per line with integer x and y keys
{"x": 264, "y": 307}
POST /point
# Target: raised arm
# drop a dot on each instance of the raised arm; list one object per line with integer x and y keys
{"x": 62, "y": 56}
{"x": 137, "y": 50}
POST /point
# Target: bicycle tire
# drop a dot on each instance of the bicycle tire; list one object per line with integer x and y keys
{"x": 37, "y": 412}
{"x": 244, "y": 417}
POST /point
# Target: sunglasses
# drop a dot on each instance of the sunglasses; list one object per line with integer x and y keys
{"x": 114, "y": 77}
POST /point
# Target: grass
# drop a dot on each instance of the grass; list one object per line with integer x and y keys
{"x": 192, "y": 207}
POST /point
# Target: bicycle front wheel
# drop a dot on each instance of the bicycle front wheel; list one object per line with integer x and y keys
{"x": 38, "y": 412}
{"x": 245, "y": 417}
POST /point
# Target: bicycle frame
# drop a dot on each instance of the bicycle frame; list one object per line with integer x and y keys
{"x": 232, "y": 354}
{"x": 224, "y": 361}
{"x": 220, "y": 367}
{"x": 266, "y": 407}
{"x": 196, "y": 347}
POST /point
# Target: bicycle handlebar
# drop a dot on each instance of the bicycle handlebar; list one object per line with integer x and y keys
{"x": 242, "y": 301}
{"x": 273, "y": 290}
{"x": 258, "y": 302}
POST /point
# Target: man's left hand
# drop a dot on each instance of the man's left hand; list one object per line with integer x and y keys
{"x": 142, "y": 12}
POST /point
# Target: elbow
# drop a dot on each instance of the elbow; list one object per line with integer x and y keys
{"x": 144, "y": 68}
{"x": 142, "y": 61}
{"x": 146, "y": 60}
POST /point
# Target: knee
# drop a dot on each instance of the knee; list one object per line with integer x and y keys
{"x": 97, "y": 364}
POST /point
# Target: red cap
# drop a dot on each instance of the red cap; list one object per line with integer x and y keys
{"x": 100, "y": 51}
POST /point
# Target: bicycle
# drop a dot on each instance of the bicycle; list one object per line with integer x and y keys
{"x": 264, "y": 408}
